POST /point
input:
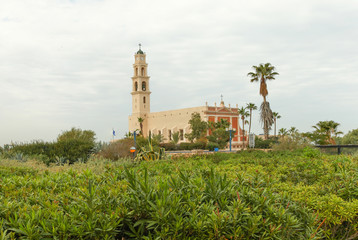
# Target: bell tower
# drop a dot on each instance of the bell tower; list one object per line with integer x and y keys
{"x": 140, "y": 85}
{"x": 140, "y": 93}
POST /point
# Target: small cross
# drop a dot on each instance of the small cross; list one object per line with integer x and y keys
{"x": 140, "y": 46}
{"x": 221, "y": 97}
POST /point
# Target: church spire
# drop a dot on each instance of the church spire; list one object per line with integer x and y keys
{"x": 140, "y": 49}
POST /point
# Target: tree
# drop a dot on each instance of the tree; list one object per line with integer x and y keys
{"x": 175, "y": 137}
{"x": 75, "y": 144}
{"x": 141, "y": 120}
{"x": 243, "y": 113}
{"x": 275, "y": 117}
{"x": 219, "y": 135}
{"x": 282, "y": 132}
{"x": 351, "y": 137}
{"x": 325, "y": 131}
{"x": 263, "y": 73}
{"x": 251, "y": 106}
{"x": 158, "y": 138}
{"x": 197, "y": 126}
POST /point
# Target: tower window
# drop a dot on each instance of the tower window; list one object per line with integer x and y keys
{"x": 143, "y": 99}
{"x": 144, "y": 86}
{"x": 136, "y": 86}
{"x": 170, "y": 134}
{"x": 136, "y": 71}
{"x": 142, "y": 71}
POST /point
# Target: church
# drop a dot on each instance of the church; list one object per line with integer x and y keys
{"x": 171, "y": 121}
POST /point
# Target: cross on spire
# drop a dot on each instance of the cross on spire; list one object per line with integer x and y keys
{"x": 221, "y": 97}
{"x": 140, "y": 45}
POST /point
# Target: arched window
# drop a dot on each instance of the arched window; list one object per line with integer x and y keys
{"x": 143, "y": 99}
{"x": 144, "y": 86}
{"x": 136, "y": 71}
{"x": 142, "y": 71}
{"x": 136, "y": 86}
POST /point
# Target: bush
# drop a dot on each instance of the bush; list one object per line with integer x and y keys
{"x": 168, "y": 146}
{"x": 118, "y": 149}
{"x": 264, "y": 144}
{"x": 73, "y": 145}
{"x": 35, "y": 148}
{"x": 199, "y": 145}
{"x": 211, "y": 146}
{"x": 292, "y": 142}
{"x": 186, "y": 146}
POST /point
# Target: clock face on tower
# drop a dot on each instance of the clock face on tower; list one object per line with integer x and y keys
{"x": 141, "y": 58}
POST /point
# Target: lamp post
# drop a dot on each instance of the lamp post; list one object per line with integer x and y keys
{"x": 230, "y": 130}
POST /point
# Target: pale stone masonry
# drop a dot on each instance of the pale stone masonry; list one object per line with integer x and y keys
{"x": 168, "y": 122}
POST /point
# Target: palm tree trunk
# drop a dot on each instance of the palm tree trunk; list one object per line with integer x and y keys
{"x": 243, "y": 133}
{"x": 275, "y": 126}
{"x": 250, "y": 121}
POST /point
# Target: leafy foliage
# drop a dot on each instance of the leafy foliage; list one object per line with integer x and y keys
{"x": 219, "y": 135}
{"x": 324, "y": 133}
{"x": 73, "y": 145}
{"x": 197, "y": 126}
{"x": 351, "y": 137}
{"x": 175, "y": 137}
{"x": 264, "y": 143}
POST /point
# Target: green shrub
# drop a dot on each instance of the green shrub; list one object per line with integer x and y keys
{"x": 264, "y": 144}
{"x": 168, "y": 146}
{"x": 199, "y": 145}
{"x": 186, "y": 146}
{"x": 211, "y": 146}
{"x": 73, "y": 145}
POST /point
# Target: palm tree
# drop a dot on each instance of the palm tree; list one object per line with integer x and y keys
{"x": 141, "y": 120}
{"x": 242, "y": 111}
{"x": 292, "y": 131}
{"x": 251, "y": 106}
{"x": 275, "y": 117}
{"x": 282, "y": 132}
{"x": 263, "y": 73}
{"x": 328, "y": 129}
{"x": 175, "y": 137}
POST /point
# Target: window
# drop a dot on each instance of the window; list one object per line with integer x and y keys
{"x": 143, "y": 99}
{"x": 142, "y": 71}
{"x": 136, "y": 86}
{"x": 136, "y": 71}
{"x": 170, "y": 134}
{"x": 144, "y": 86}
{"x": 181, "y": 134}
{"x": 159, "y": 132}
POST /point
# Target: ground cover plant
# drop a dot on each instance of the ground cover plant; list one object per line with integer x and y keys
{"x": 247, "y": 195}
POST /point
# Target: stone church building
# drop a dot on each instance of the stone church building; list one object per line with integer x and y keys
{"x": 168, "y": 122}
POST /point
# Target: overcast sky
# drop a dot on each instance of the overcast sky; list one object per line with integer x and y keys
{"x": 69, "y": 63}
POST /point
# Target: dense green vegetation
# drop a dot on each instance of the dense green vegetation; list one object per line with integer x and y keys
{"x": 247, "y": 195}
{"x": 71, "y": 146}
